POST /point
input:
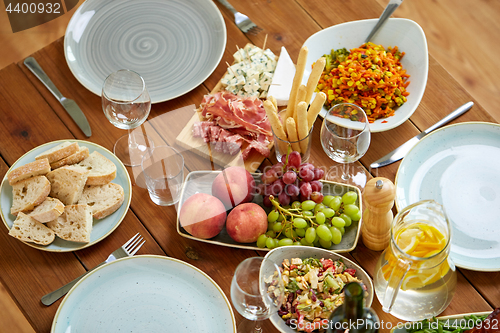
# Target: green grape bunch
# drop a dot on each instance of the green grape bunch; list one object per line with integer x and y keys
{"x": 309, "y": 223}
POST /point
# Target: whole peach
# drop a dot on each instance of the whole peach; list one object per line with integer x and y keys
{"x": 202, "y": 215}
{"x": 246, "y": 222}
{"x": 233, "y": 186}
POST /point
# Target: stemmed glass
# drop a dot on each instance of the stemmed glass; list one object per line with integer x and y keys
{"x": 126, "y": 104}
{"x": 345, "y": 138}
{"x": 257, "y": 291}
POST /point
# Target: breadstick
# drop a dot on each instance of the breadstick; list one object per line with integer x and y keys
{"x": 315, "y": 108}
{"x": 292, "y": 133}
{"x": 312, "y": 82}
{"x": 302, "y": 128}
{"x": 276, "y": 125}
{"x": 297, "y": 80}
{"x": 301, "y": 95}
{"x": 273, "y": 100}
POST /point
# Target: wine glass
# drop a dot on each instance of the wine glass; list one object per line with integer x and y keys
{"x": 257, "y": 291}
{"x": 126, "y": 104}
{"x": 345, "y": 138}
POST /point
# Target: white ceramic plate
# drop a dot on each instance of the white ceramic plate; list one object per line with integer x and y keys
{"x": 303, "y": 252}
{"x": 407, "y": 35}
{"x": 201, "y": 182}
{"x": 102, "y": 228}
{"x": 145, "y": 294}
{"x": 458, "y": 320}
{"x": 458, "y": 166}
{"x": 174, "y": 44}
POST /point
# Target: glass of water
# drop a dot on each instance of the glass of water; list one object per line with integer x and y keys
{"x": 126, "y": 104}
{"x": 345, "y": 138}
{"x": 163, "y": 170}
{"x": 257, "y": 292}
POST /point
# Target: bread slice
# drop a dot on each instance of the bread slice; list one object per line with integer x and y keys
{"x": 75, "y": 224}
{"x": 79, "y": 156}
{"x": 29, "y": 193}
{"x": 36, "y": 168}
{"x": 59, "y": 152}
{"x": 103, "y": 199}
{"x": 67, "y": 183}
{"x": 48, "y": 210}
{"x": 28, "y": 229}
{"x": 102, "y": 170}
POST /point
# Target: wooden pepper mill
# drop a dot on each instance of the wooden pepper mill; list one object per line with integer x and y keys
{"x": 378, "y": 198}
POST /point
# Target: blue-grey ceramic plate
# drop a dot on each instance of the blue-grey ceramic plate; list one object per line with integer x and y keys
{"x": 101, "y": 228}
{"x": 145, "y": 294}
{"x": 458, "y": 167}
{"x": 174, "y": 44}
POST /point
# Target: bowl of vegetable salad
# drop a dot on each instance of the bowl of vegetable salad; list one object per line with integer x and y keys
{"x": 314, "y": 279}
{"x": 386, "y": 77}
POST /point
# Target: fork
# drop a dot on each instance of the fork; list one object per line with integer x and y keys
{"x": 241, "y": 20}
{"x": 127, "y": 250}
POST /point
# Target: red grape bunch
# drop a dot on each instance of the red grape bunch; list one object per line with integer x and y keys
{"x": 291, "y": 180}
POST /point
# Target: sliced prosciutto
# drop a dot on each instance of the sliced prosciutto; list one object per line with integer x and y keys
{"x": 233, "y": 120}
{"x": 231, "y": 111}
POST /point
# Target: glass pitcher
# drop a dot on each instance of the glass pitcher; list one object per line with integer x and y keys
{"x": 414, "y": 277}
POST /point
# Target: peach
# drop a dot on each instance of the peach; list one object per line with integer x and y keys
{"x": 233, "y": 186}
{"x": 202, "y": 215}
{"x": 246, "y": 222}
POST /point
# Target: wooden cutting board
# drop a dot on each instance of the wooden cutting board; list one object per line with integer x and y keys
{"x": 186, "y": 140}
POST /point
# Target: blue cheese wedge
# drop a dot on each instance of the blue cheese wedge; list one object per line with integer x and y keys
{"x": 252, "y": 72}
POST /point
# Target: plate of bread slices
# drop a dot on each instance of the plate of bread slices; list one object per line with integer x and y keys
{"x": 65, "y": 195}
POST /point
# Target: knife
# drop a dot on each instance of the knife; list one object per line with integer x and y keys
{"x": 402, "y": 150}
{"x": 69, "y": 105}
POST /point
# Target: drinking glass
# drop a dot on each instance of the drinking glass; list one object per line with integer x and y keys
{"x": 126, "y": 104}
{"x": 257, "y": 291}
{"x": 163, "y": 170}
{"x": 345, "y": 138}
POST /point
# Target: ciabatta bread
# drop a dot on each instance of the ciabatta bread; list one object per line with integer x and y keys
{"x": 36, "y": 168}
{"x": 102, "y": 170}
{"x": 48, "y": 210}
{"x": 59, "y": 152}
{"x": 103, "y": 199}
{"x": 28, "y": 229}
{"x": 74, "y": 225}
{"x": 67, "y": 183}
{"x": 29, "y": 193}
{"x": 79, "y": 156}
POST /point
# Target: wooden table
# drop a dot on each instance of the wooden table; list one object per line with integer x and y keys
{"x": 31, "y": 116}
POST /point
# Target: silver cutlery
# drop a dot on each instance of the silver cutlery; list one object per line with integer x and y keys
{"x": 127, "y": 250}
{"x": 241, "y": 20}
{"x": 402, "y": 150}
{"x": 389, "y": 9}
{"x": 69, "y": 105}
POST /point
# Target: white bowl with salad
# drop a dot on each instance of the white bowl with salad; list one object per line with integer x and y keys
{"x": 314, "y": 281}
{"x": 377, "y": 91}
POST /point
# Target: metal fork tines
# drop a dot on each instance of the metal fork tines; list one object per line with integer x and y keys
{"x": 126, "y": 250}
{"x": 241, "y": 20}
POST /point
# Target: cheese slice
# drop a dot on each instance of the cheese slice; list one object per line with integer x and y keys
{"x": 282, "y": 79}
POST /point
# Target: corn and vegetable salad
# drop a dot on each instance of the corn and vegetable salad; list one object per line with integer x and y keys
{"x": 313, "y": 290}
{"x": 369, "y": 76}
